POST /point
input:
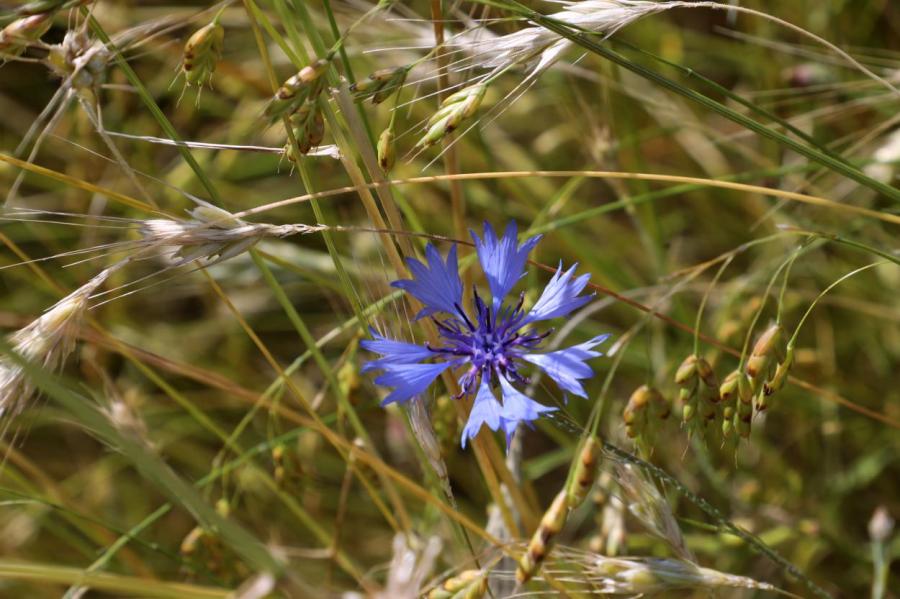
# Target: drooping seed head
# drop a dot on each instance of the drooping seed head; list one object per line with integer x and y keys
{"x": 729, "y": 386}
{"x": 308, "y": 125}
{"x": 686, "y": 375}
{"x": 636, "y": 411}
{"x": 766, "y": 350}
{"x": 201, "y": 53}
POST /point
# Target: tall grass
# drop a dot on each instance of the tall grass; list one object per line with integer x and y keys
{"x": 205, "y": 206}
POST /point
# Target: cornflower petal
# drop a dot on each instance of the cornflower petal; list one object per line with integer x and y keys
{"x": 485, "y": 410}
{"x": 502, "y": 261}
{"x": 437, "y": 285}
{"x": 394, "y": 352}
{"x": 518, "y": 407}
{"x": 560, "y": 296}
{"x": 567, "y": 366}
{"x": 409, "y": 380}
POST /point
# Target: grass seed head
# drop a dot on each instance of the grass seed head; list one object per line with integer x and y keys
{"x": 19, "y": 34}
{"x": 778, "y": 379}
{"x": 380, "y": 85}
{"x": 48, "y": 341}
{"x": 688, "y": 378}
{"x": 660, "y": 575}
{"x": 454, "y": 110}
{"x": 305, "y": 86}
{"x": 551, "y": 524}
{"x": 308, "y": 125}
{"x": 766, "y": 350}
{"x": 686, "y": 375}
{"x": 385, "y": 147}
{"x": 212, "y": 235}
{"x": 469, "y": 584}
{"x": 650, "y": 507}
{"x": 201, "y": 53}
{"x": 49, "y": 6}
{"x": 743, "y": 415}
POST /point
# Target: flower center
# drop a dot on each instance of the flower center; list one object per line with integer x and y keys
{"x": 490, "y": 345}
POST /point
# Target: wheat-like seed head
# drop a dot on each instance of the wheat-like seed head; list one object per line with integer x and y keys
{"x": 212, "y": 235}
{"x": 541, "y": 47}
{"x": 658, "y": 575}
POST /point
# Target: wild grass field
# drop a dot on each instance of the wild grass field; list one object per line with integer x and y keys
{"x": 449, "y": 299}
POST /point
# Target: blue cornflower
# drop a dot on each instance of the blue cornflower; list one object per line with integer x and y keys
{"x": 491, "y": 344}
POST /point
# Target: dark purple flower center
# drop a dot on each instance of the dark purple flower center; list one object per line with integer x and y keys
{"x": 491, "y": 345}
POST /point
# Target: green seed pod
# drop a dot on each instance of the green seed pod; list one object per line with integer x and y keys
{"x": 585, "y": 472}
{"x": 201, "y": 53}
{"x": 551, "y": 524}
{"x": 385, "y": 149}
{"x": 454, "y": 110}
{"x": 19, "y": 34}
